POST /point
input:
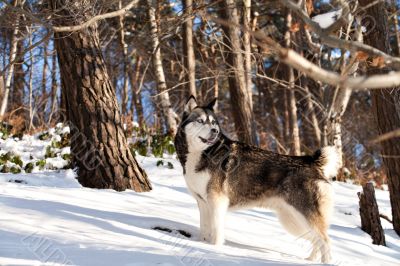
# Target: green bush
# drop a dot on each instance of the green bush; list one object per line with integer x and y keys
{"x": 44, "y": 136}
{"x": 41, "y": 164}
{"x": 5, "y": 157}
{"x": 29, "y": 167}
{"x": 157, "y": 143}
{"x": 161, "y": 163}
{"x": 170, "y": 165}
{"x": 49, "y": 152}
{"x": 15, "y": 170}
{"x": 66, "y": 156}
{"x": 5, "y": 129}
{"x": 12, "y": 169}
{"x": 17, "y": 160}
{"x": 140, "y": 147}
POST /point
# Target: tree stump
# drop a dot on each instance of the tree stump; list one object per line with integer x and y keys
{"x": 369, "y": 212}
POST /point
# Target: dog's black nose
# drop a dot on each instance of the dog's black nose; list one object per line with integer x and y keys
{"x": 214, "y": 130}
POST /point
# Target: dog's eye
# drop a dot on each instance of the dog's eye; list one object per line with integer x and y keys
{"x": 213, "y": 122}
{"x": 200, "y": 121}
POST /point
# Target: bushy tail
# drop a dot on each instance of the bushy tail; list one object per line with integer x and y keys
{"x": 327, "y": 159}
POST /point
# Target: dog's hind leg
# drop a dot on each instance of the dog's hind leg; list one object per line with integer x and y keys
{"x": 320, "y": 239}
{"x": 320, "y": 222}
{"x": 298, "y": 225}
{"x": 291, "y": 219}
{"x": 218, "y": 207}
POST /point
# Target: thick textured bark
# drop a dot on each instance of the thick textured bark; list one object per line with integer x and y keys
{"x": 98, "y": 143}
{"x": 369, "y": 213}
{"x": 189, "y": 58}
{"x": 386, "y": 109}
{"x": 241, "y": 102}
{"x": 170, "y": 115}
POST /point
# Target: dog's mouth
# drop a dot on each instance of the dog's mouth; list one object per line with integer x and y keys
{"x": 209, "y": 141}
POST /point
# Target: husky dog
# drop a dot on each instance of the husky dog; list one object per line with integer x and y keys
{"x": 223, "y": 175}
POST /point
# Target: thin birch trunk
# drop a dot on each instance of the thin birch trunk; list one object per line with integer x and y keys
{"x": 247, "y": 47}
{"x": 13, "y": 52}
{"x": 294, "y": 127}
{"x": 171, "y": 123}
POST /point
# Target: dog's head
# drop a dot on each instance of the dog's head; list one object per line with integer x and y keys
{"x": 200, "y": 125}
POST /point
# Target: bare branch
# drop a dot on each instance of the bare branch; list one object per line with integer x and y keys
{"x": 332, "y": 41}
{"x": 94, "y": 19}
{"x": 386, "y": 136}
{"x": 295, "y": 60}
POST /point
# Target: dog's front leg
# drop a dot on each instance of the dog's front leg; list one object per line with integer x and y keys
{"x": 204, "y": 220}
{"x": 218, "y": 206}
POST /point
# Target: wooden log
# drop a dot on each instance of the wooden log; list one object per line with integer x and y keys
{"x": 369, "y": 213}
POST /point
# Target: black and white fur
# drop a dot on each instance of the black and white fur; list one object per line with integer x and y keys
{"x": 223, "y": 175}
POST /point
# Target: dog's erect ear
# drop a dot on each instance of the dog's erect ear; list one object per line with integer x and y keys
{"x": 190, "y": 104}
{"x": 211, "y": 104}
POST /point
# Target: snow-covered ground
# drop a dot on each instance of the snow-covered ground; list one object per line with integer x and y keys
{"x": 49, "y": 219}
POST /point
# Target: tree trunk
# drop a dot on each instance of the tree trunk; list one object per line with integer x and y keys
{"x": 98, "y": 143}
{"x": 170, "y": 115}
{"x": 294, "y": 127}
{"x": 30, "y": 82}
{"x": 241, "y": 103}
{"x": 53, "y": 86}
{"x": 136, "y": 95}
{"x": 18, "y": 83}
{"x": 385, "y": 108}
{"x": 394, "y": 10}
{"x": 312, "y": 116}
{"x": 44, "y": 98}
{"x": 124, "y": 48}
{"x": 369, "y": 213}
{"x": 247, "y": 47}
{"x": 189, "y": 58}
{"x": 13, "y": 52}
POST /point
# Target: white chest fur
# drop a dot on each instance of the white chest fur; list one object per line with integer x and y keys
{"x": 196, "y": 181}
